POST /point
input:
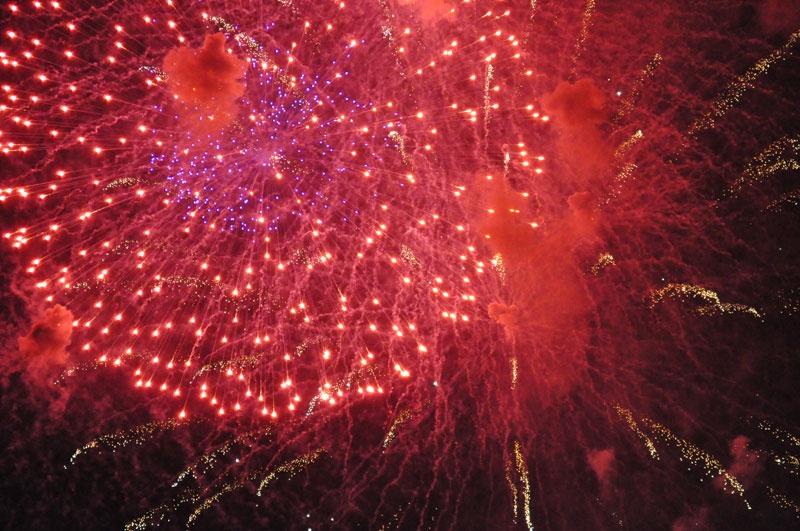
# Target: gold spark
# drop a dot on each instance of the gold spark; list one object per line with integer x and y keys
{"x": 733, "y": 93}
{"x": 586, "y": 21}
{"x": 403, "y": 416}
{"x": 514, "y": 372}
{"x": 518, "y": 472}
{"x": 290, "y": 467}
{"x": 603, "y": 261}
{"x": 700, "y": 458}
{"x": 706, "y": 301}
{"x": 401, "y": 145}
{"x": 136, "y": 435}
{"x": 626, "y": 105}
{"x": 627, "y": 416}
{"x": 780, "y": 156}
{"x": 626, "y": 146}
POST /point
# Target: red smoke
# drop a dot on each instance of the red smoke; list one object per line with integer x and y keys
{"x": 46, "y": 344}
{"x": 778, "y": 17}
{"x": 429, "y": 9}
{"x": 602, "y": 463}
{"x": 545, "y": 304}
{"x": 579, "y": 109}
{"x": 544, "y": 307}
{"x": 207, "y": 81}
{"x": 746, "y": 465}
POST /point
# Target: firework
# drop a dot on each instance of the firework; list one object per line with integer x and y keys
{"x": 408, "y": 264}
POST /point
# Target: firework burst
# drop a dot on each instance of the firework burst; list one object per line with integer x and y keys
{"x": 380, "y": 264}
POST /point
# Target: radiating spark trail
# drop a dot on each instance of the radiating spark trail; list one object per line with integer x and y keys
{"x": 137, "y": 435}
{"x": 733, "y": 93}
{"x": 290, "y": 468}
{"x": 783, "y": 155}
{"x": 627, "y": 416}
{"x": 628, "y": 103}
{"x": 698, "y": 457}
{"x": 586, "y": 20}
{"x": 707, "y": 301}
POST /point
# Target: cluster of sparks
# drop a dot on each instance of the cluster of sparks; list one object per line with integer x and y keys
{"x": 695, "y": 456}
{"x": 137, "y": 435}
{"x": 260, "y": 267}
{"x": 706, "y": 301}
{"x": 780, "y": 156}
{"x": 737, "y": 88}
{"x": 517, "y": 473}
{"x": 202, "y": 282}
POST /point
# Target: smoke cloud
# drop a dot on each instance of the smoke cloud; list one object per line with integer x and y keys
{"x": 778, "y": 17}
{"x": 602, "y": 463}
{"x": 746, "y": 465}
{"x": 579, "y": 109}
{"x": 429, "y": 9}
{"x": 45, "y": 346}
{"x": 208, "y": 83}
{"x": 544, "y": 306}
{"x": 694, "y": 521}
{"x": 506, "y": 315}
{"x": 542, "y": 275}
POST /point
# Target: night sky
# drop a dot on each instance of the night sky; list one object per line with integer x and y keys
{"x": 390, "y": 264}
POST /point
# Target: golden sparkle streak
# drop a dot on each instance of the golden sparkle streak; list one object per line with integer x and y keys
{"x": 208, "y": 502}
{"x": 626, "y": 146}
{"x": 401, "y": 146}
{"x": 791, "y": 198}
{"x": 499, "y": 267}
{"x": 779, "y": 433}
{"x": 409, "y": 257}
{"x": 697, "y": 457}
{"x": 136, "y": 435}
{"x": 153, "y": 70}
{"x": 694, "y": 455}
{"x": 388, "y": 30}
{"x": 783, "y": 501}
{"x": 787, "y": 461}
{"x": 290, "y": 467}
{"x": 780, "y": 156}
{"x": 603, "y": 261}
{"x": 240, "y": 363}
{"x": 514, "y": 372}
{"x": 256, "y": 52}
{"x": 154, "y": 517}
{"x": 790, "y": 300}
{"x": 708, "y": 302}
{"x": 518, "y": 472}
{"x": 190, "y": 495}
{"x": 487, "y": 102}
{"x": 627, "y": 104}
{"x": 586, "y": 21}
{"x": 530, "y": 25}
{"x": 93, "y": 365}
{"x": 208, "y": 460}
{"x": 402, "y": 417}
{"x": 522, "y": 471}
{"x": 624, "y": 175}
{"x": 513, "y": 488}
{"x": 733, "y": 93}
{"x": 245, "y": 41}
{"x": 627, "y": 416}
{"x": 624, "y": 170}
